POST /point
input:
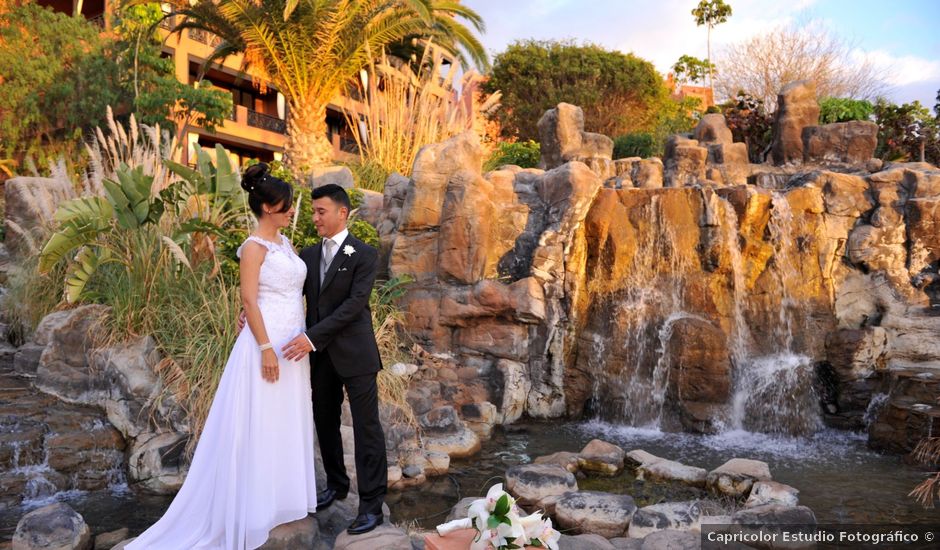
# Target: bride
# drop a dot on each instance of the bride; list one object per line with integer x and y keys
{"x": 253, "y": 465}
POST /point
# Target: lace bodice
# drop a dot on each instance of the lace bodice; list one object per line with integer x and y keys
{"x": 280, "y": 289}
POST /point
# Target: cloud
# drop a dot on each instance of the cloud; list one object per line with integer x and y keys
{"x": 901, "y": 70}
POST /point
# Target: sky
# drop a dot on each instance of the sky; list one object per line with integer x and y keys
{"x": 902, "y": 37}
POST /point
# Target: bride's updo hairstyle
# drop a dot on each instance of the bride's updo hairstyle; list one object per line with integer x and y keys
{"x": 263, "y": 188}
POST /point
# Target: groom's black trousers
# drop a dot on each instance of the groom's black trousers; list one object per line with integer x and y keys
{"x": 371, "y": 463}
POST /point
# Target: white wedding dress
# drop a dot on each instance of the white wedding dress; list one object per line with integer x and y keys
{"x": 253, "y": 468}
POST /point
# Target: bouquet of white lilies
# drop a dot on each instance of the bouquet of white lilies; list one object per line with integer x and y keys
{"x": 500, "y": 526}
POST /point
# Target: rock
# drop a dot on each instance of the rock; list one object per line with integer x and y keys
{"x": 387, "y": 537}
{"x": 736, "y": 476}
{"x": 480, "y": 417}
{"x": 772, "y": 492}
{"x": 26, "y": 359}
{"x": 434, "y": 167}
{"x": 371, "y": 208}
{"x": 648, "y": 174}
{"x": 106, "y": 541}
{"x": 684, "y": 516}
{"x": 923, "y": 229}
{"x": 503, "y": 340}
{"x": 566, "y": 460}
{"x": 595, "y": 513}
{"x": 403, "y": 369}
{"x": 442, "y": 420}
{"x": 712, "y": 129}
{"x": 30, "y": 206}
{"x": 843, "y": 142}
{"x": 766, "y": 517}
{"x": 437, "y": 463}
{"x": 584, "y": 542}
{"x": 843, "y": 194}
{"x": 563, "y": 138}
{"x": 684, "y": 162}
{"x": 52, "y": 527}
{"x": 638, "y": 457}
{"x": 460, "y": 510}
{"x": 302, "y": 533}
{"x": 63, "y": 369}
{"x": 796, "y": 109}
{"x": 337, "y": 175}
{"x": 626, "y": 543}
{"x": 461, "y": 444}
{"x": 670, "y": 470}
{"x": 700, "y": 364}
{"x": 532, "y": 484}
{"x": 670, "y": 539}
{"x": 857, "y": 353}
{"x": 602, "y": 458}
{"x": 515, "y": 390}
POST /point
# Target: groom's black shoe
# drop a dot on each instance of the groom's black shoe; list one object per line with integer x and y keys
{"x": 365, "y": 523}
{"x": 326, "y": 497}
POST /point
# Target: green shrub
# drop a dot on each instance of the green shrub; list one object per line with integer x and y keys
{"x": 636, "y": 144}
{"x": 525, "y": 154}
{"x": 844, "y": 109}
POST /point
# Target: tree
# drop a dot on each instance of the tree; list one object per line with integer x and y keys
{"x": 764, "y": 63}
{"x": 907, "y": 132}
{"x": 711, "y": 13}
{"x": 618, "y": 92}
{"x": 56, "y": 80}
{"x": 310, "y": 49}
{"x": 149, "y": 81}
{"x": 691, "y": 69}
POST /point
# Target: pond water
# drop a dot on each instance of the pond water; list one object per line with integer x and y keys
{"x": 839, "y": 478}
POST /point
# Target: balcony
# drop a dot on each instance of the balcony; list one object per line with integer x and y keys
{"x": 203, "y": 37}
{"x": 266, "y": 122}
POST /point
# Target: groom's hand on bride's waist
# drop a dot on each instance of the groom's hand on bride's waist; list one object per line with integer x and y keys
{"x": 241, "y": 321}
{"x": 297, "y": 348}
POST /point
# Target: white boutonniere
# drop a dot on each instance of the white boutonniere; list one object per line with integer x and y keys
{"x": 349, "y": 250}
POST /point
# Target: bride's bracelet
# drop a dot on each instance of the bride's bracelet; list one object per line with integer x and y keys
{"x": 263, "y": 347}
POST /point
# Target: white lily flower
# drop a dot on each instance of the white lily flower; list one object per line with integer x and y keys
{"x": 549, "y": 536}
{"x": 532, "y": 525}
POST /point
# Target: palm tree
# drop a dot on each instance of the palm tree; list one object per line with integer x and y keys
{"x": 311, "y": 49}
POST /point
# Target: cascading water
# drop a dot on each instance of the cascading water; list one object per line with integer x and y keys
{"x": 773, "y": 392}
{"x": 772, "y": 389}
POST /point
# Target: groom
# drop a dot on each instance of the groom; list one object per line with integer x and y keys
{"x": 340, "y": 273}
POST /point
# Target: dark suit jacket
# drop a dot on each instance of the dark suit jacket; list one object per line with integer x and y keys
{"x": 339, "y": 321}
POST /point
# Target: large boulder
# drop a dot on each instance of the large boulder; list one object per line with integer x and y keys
{"x": 736, "y": 477}
{"x": 841, "y": 142}
{"x": 331, "y": 175}
{"x": 653, "y": 468}
{"x": 435, "y": 165}
{"x": 563, "y": 139}
{"x": 63, "y": 369}
{"x": 672, "y": 539}
{"x": 684, "y": 162}
{"x": 683, "y": 516}
{"x": 601, "y": 457}
{"x": 535, "y": 485}
{"x": 302, "y": 533}
{"x": 700, "y": 365}
{"x": 772, "y": 492}
{"x": 387, "y": 537}
{"x": 797, "y": 109}
{"x": 593, "y": 512}
{"x": 30, "y": 206}
{"x": 53, "y": 527}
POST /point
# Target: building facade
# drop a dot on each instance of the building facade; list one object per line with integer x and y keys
{"x": 257, "y": 125}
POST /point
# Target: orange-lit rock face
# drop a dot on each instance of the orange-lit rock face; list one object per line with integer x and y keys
{"x": 569, "y": 295}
